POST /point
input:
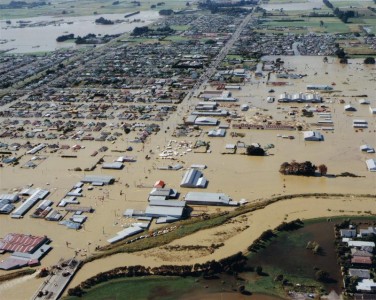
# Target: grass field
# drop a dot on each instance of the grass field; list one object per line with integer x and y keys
{"x": 353, "y": 4}
{"x": 141, "y": 288}
{"x": 86, "y": 7}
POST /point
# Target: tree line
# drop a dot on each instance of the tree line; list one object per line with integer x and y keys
{"x": 342, "y": 15}
{"x": 22, "y": 4}
{"x": 145, "y": 30}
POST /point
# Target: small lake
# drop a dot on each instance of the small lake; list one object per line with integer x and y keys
{"x": 41, "y": 32}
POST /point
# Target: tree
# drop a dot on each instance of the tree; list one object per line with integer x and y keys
{"x": 322, "y": 276}
{"x": 259, "y": 270}
{"x": 166, "y": 12}
{"x": 369, "y": 61}
{"x": 323, "y": 169}
{"x": 255, "y": 151}
{"x": 340, "y": 53}
{"x": 294, "y": 168}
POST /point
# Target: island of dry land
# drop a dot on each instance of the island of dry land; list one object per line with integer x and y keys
{"x": 137, "y": 151}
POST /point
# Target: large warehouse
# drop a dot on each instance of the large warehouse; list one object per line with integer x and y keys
{"x": 193, "y": 178}
{"x": 197, "y": 198}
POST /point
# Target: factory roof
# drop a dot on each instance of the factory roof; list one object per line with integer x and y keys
{"x": 98, "y": 178}
{"x": 164, "y": 211}
{"x": 14, "y": 242}
{"x": 217, "y": 198}
{"x": 113, "y": 165}
{"x": 125, "y": 233}
{"x": 171, "y": 203}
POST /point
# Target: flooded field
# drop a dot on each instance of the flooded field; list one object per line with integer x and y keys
{"x": 41, "y": 32}
{"x": 288, "y": 253}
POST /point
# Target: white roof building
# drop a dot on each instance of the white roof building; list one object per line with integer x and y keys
{"x": 197, "y": 198}
{"x": 164, "y": 211}
{"x": 360, "y": 244}
{"x": 217, "y": 133}
{"x": 193, "y": 178}
{"x": 366, "y": 285}
{"x": 360, "y": 124}
{"x": 371, "y": 165}
{"x": 312, "y": 136}
{"x": 206, "y": 121}
{"x": 363, "y": 101}
{"x": 349, "y": 107}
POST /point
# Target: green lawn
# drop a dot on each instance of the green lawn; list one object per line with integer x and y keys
{"x": 175, "y": 38}
{"x": 180, "y": 27}
{"x": 141, "y": 288}
{"x": 266, "y": 284}
{"x": 331, "y": 25}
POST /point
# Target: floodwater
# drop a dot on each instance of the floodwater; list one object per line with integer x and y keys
{"x": 236, "y": 175}
{"x": 300, "y": 261}
{"x": 41, "y": 36}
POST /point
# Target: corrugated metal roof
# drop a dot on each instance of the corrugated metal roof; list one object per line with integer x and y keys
{"x": 171, "y": 203}
{"x": 164, "y": 211}
{"x": 98, "y": 178}
{"x": 207, "y": 197}
{"x": 30, "y": 202}
{"x": 14, "y": 242}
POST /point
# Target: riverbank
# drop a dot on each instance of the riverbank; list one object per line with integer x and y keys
{"x": 263, "y": 271}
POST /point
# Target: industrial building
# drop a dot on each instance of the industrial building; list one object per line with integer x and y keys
{"x": 127, "y": 232}
{"x": 367, "y": 148}
{"x": 113, "y": 165}
{"x": 35, "y": 196}
{"x": 316, "y": 87}
{"x": 6, "y": 203}
{"x": 213, "y": 113}
{"x": 163, "y": 194}
{"x": 193, "y": 178}
{"x": 36, "y": 149}
{"x": 169, "y": 203}
{"x": 206, "y": 121}
{"x": 371, "y": 165}
{"x": 313, "y": 136}
{"x": 217, "y": 133}
{"x": 27, "y": 250}
{"x": 165, "y": 211}
{"x": 360, "y": 124}
{"x": 300, "y": 98}
{"x": 102, "y": 179}
{"x": 220, "y": 199}
{"x": 349, "y": 107}
{"x": 202, "y": 106}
